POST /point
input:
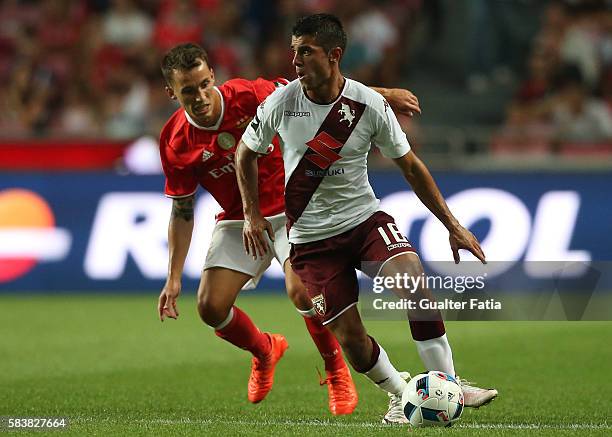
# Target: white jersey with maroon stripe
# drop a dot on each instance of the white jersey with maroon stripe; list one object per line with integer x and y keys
{"x": 325, "y": 150}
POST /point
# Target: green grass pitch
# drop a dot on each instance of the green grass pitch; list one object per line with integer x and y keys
{"x": 108, "y": 364}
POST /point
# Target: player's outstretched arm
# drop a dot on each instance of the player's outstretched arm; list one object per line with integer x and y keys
{"x": 254, "y": 222}
{"x": 424, "y": 186}
{"x": 180, "y": 230}
{"x": 401, "y": 101}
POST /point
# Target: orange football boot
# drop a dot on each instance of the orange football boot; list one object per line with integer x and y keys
{"x": 341, "y": 391}
{"x": 262, "y": 371}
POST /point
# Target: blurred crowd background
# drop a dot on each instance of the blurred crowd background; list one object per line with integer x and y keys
{"x": 501, "y": 82}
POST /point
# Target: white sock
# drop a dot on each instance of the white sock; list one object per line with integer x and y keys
{"x": 308, "y": 313}
{"x": 436, "y": 354}
{"x": 385, "y": 376}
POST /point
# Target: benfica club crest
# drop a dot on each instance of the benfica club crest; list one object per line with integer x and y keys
{"x": 319, "y": 304}
{"x": 226, "y": 140}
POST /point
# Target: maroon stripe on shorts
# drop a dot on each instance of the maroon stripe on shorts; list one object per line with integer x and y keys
{"x": 322, "y": 152}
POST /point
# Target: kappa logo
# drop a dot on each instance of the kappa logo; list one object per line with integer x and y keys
{"x": 206, "y": 155}
{"x": 319, "y": 304}
{"x": 296, "y": 113}
{"x": 347, "y": 113}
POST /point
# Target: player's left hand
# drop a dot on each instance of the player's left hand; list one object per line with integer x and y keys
{"x": 403, "y": 101}
{"x": 253, "y": 238}
{"x": 166, "y": 305}
{"x": 461, "y": 238}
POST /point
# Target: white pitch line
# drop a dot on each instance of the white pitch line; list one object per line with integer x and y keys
{"x": 227, "y": 421}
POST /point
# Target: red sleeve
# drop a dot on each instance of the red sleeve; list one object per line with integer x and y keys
{"x": 263, "y": 88}
{"x": 180, "y": 180}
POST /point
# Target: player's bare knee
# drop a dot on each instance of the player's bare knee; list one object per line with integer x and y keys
{"x": 299, "y": 297}
{"x": 211, "y": 310}
{"x": 296, "y": 291}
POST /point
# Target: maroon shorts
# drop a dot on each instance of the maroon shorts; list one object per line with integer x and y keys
{"x": 327, "y": 267}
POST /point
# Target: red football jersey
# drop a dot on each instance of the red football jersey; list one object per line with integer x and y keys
{"x": 193, "y": 155}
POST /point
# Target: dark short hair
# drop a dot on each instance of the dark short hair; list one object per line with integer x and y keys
{"x": 326, "y": 29}
{"x": 182, "y": 57}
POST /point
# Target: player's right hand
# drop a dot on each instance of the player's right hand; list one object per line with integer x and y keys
{"x": 253, "y": 238}
{"x": 166, "y": 306}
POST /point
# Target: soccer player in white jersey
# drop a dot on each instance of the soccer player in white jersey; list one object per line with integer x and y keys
{"x": 326, "y": 124}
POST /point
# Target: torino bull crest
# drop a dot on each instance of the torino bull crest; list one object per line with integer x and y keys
{"x": 319, "y": 304}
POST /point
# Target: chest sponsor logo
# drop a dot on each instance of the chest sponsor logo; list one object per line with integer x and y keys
{"x": 206, "y": 155}
{"x": 228, "y": 168}
{"x": 297, "y": 113}
{"x": 347, "y": 114}
{"x": 323, "y": 145}
{"x": 322, "y": 173}
{"x": 226, "y": 140}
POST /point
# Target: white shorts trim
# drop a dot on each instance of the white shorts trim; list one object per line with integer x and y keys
{"x": 395, "y": 256}
{"x": 339, "y": 314}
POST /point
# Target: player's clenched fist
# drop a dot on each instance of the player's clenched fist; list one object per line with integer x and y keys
{"x": 166, "y": 306}
{"x": 253, "y": 238}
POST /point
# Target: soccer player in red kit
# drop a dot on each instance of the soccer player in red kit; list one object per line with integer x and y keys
{"x": 197, "y": 147}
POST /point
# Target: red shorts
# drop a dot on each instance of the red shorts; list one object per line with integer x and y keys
{"x": 327, "y": 267}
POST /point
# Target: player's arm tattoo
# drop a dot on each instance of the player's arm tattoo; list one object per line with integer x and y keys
{"x": 183, "y": 208}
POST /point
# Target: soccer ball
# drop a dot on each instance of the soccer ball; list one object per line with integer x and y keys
{"x": 432, "y": 399}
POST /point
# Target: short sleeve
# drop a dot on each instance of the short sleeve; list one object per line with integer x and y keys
{"x": 180, "y": 182}
{"x": 263, "y": 87}
{"x": 261, "y": 130}
{"x": 388, "y": 137}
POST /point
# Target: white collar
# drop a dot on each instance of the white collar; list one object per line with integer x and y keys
{"x": 217, "y": 124}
